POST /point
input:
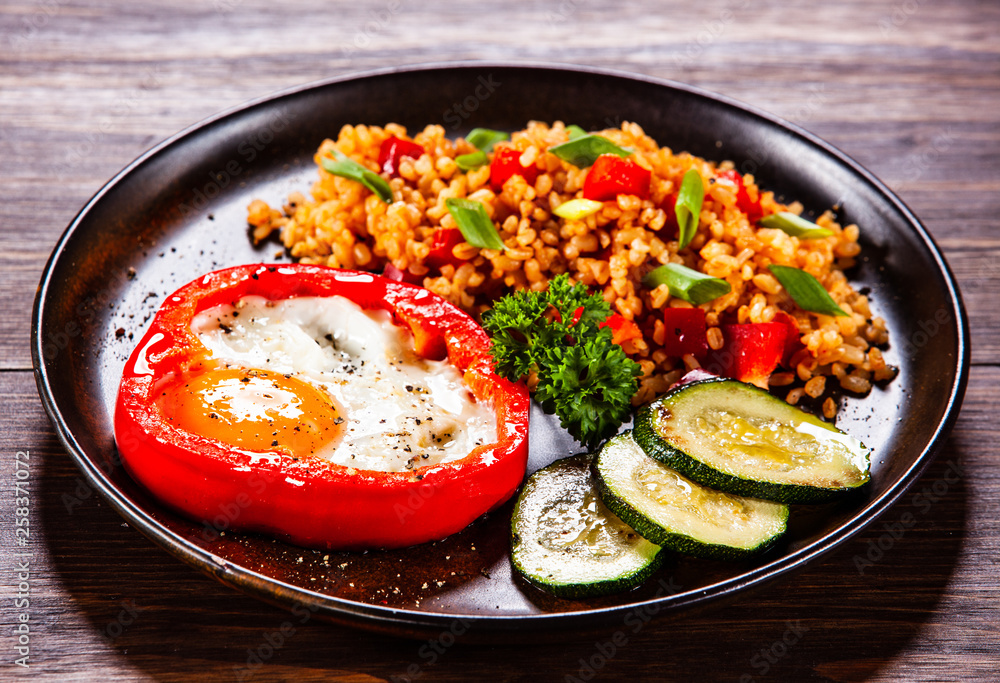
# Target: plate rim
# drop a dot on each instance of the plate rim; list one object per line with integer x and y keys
{"x": 417, "y": 623}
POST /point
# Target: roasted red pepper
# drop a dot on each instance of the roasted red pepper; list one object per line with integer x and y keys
{"x": 392, "y": 150}
{"x": 750, "y": 208}
{"x": 686, "y": 332}
{"x": 445, "y": 240}
{"x": 611, "y": 176}
{"x": 750, "y": 353}
{"x": 506, "y": 163}
{"x": 306, "y": 499}
{"x": 621, "y": 329}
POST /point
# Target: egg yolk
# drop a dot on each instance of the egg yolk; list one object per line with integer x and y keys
{"x": 258, "y": 410}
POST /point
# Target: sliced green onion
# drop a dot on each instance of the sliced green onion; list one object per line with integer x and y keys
{"x": 806, "y": 290}
{"x": 687, "y": 208}
{"x": 346, "y": 167}
{"x": 684, "y": 283}
{"x": 796, "y": 226}
{"x": 575, "y": 209}
{"x": 469, "y": 162}
{"x": 483, "y": 139}
{"x": 575, "y": 132}
{"x": 476, "y": 226}
{"x": 584, "y": 150}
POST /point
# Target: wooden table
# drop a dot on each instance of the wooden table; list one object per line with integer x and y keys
{"x": 911, "y": 89}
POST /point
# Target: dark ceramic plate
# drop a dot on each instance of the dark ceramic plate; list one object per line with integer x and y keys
{"x": 179, "y": 211}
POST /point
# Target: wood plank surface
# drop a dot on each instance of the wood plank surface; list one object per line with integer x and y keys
{"x": 909, "y": 88}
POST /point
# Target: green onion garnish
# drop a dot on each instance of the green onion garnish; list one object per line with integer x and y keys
{"x": 806, "y": 290}
{"x": 483, "y": 139}
{"x": 469, "y": 162}
{"x": 575, "y": 209}
{"x": 796, "y": 226}
{"x": 584, "y": 150}
{"x": 346, "y": 167}
{"x": 575, "y": 132}
{"x": 684, "y": 283}
{"x": 687, "y": 208}
{"x": 476, "y": 226}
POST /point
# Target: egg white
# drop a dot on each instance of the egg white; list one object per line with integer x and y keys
{"x": 401, "y": 412}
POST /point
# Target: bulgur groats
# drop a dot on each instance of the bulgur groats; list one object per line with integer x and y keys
{"x": 346, "y": 226}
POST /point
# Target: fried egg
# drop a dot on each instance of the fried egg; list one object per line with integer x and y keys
{"x": 322, "y": 377}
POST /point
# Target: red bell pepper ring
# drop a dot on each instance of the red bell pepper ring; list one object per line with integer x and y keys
{"x": 440, "y": 254}
{"x": 750, "y": 353}
{"x": 307, "y": 500}
{"x": 686, "y": 332}
{"x": 622, "y": 330}
{"x": 750, "y": 208}
{"x": 611, "y": 176}
{"x": 506, "y": 163}
{"x": 392, "y": 150}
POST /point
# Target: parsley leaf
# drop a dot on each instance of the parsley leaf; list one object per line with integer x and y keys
{"x": 583, "y": 376}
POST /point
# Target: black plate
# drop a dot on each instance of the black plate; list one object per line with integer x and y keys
{"x": 179, "y": 210}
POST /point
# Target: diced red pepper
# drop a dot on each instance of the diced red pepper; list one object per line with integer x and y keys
{"x": 750, "y": 208}
{"x": 577, "y": 314}
{"x": 506, "y": 163}
{"x": 445, "y": 239}
{"x": 611, "y": 176}
{"x": 393, "y": 273}
{"x": 750, "y": 353}
{"x": 669, "y": 207}
{"x": 793, "y": 338}
{"x": 621, "y": 329}
{"x": 392, "y": 150}
{"x": 311, "y": 500}
{"x": 686, "y": 332}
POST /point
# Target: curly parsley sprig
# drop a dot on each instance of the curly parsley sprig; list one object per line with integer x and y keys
{"x": 583, "y": 376}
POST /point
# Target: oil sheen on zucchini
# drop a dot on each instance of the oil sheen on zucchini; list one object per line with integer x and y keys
{"x": 738, "y": 438}
{"x": 671, "y": 510}
{"x": 565, "y": 541}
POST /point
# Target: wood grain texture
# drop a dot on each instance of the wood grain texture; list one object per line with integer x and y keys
{"x": 909, "y": 89}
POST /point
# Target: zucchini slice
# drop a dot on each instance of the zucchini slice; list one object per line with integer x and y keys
{"x": 565, "y": 541}
{"x": 676, "y": 513}
{"x": 738, "y": 438}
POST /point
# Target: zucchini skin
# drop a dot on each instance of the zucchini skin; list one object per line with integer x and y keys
{"x": 618, "y": 584}
{"x": 660, "y": 449}
{"x": 677, "y": 542}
